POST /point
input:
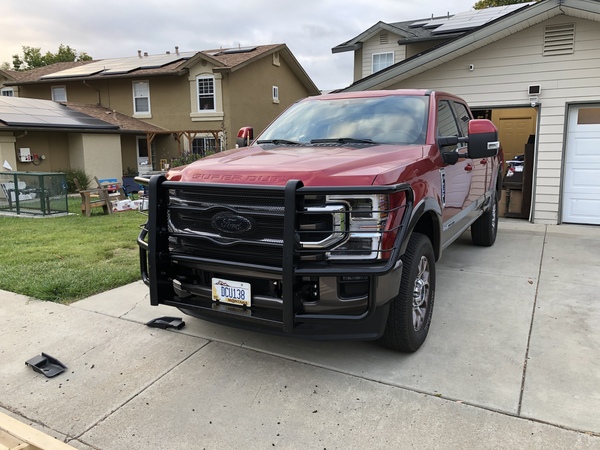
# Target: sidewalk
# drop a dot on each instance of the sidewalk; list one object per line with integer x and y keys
{"x": 512, "y": 361}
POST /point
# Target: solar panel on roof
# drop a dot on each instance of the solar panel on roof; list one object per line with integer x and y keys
{"x": 419, "y": 24}
{"x": 121, "y": 65}
{"x": 469, "y": 20}
{"x": 230, "y": 51}
{"x": 436, "y": 23}
{"x": 16, "y": 111}
{"x": 79, "y": 71}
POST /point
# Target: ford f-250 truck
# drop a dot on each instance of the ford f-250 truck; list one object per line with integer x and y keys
{"x": 330, "y": 223}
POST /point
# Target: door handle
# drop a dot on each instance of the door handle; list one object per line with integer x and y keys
{"x": 468, "y": 167}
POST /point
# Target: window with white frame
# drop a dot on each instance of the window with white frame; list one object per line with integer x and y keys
{"x": 275, "y": 94}
{"x": 141, "y": 97}
{"x": 59, "y": 93}
{"x": 7, "y": 92}
{"x": 382, "y": 60}
{"x": 206, "y": 145}
{"x": 206, "y": 93}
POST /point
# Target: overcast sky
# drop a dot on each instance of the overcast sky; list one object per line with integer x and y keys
{"x": 115, "y": 29}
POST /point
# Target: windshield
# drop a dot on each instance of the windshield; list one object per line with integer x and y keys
{"x": 383, "y": 120}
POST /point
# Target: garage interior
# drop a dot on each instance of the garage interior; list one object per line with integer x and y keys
{"x": 516, "y": 131}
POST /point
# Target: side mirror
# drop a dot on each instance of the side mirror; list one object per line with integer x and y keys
{"x": 483, "y": 139}
{"x": 244, "y": 137}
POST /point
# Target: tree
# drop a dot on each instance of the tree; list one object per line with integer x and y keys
{"x": 483, "y": 4}
{"x": 33, "y": 58}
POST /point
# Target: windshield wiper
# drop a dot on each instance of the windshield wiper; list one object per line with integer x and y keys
{"x": 278, "y": 141}
{"x": 344, "y": 140}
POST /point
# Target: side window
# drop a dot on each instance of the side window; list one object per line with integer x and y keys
{"x": 141, "y": 97}
{"x": 463, "y": 116}
{"x": 59, "y": 93}
{"x": 446, "y": 125}
{"x": 206, "y": 93}
{"x": 382, "y": 60}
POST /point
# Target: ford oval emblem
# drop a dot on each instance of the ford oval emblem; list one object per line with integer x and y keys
{"x": 231, "y": 223}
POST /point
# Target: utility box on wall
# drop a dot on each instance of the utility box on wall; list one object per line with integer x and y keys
{"x": 25, "y": 155}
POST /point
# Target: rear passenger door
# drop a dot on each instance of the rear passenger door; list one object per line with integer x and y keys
{"x": 456, "y": 178}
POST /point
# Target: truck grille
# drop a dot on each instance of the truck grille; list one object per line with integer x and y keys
{"x": 227, "y": 224}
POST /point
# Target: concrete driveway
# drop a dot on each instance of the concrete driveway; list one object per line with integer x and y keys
{"x": 512, "y": 361}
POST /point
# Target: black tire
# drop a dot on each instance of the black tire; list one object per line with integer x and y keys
{"x": 485, "y": 229}
{"x": 410, "y": 311}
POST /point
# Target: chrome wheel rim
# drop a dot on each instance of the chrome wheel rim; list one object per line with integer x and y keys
{"x": 421, "y": 294}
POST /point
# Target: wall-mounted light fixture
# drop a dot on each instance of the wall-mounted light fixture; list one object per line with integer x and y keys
{"x": 534, "y": 90}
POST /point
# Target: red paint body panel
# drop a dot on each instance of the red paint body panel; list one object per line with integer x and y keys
{"x": 315, "y": 166}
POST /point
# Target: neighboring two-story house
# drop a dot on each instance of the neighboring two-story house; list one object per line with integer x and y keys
{"x": 196, "y": 101}
{"x": 533, "y": 69}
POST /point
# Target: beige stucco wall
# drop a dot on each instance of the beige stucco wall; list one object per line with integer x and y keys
{"x": 7, "y": 150}
{"x": 51, "y": 147}
{"x": 98, "y": 154}
{"x": 249, "y": 99}
{"x": 128, "y": 152}
{"x": 503, "y": 70}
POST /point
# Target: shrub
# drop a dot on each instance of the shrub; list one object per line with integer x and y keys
{"x": 83, "y": 178}
{"x": 185, "y": 158}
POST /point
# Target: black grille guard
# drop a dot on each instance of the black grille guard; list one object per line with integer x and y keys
{"x": 157, "y": 261}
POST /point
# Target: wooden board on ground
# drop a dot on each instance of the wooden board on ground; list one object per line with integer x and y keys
{"x": 15, "y": 435}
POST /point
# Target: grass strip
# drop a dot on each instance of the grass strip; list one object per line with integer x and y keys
{"x": 64, "y": 259}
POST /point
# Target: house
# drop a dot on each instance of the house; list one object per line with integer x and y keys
{"x": 198, "y": 99}
{"x": 534, "y": 69}
{"x": 46, "y": 136}
{"x": 6, "y": 76}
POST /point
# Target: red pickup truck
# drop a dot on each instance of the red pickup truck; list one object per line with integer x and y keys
{"x": 330, "y": 223}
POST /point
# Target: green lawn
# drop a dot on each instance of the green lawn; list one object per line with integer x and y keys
{"x": 64, "y": 259}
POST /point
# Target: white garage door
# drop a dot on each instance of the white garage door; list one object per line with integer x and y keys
{"x": 581, "y": 184}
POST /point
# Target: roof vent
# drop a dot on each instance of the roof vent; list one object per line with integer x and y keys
{"x": 559, "y": 39}
{"x": 383, "y": 38}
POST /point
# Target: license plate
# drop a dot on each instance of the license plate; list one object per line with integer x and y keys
{"x": 232, "y": 292}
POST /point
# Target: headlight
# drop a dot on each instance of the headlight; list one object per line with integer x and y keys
{"x": 367, "y": 217}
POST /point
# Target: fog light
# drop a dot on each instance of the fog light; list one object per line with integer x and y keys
{"x": 352, "y": 287}
{"x": 355, "y": 247}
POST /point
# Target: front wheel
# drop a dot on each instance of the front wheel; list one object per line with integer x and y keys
{"x": 410, "y": 311}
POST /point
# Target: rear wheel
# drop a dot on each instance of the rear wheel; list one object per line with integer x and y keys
{"x": 410, "y": 311}
{"x": 485, "y": 229}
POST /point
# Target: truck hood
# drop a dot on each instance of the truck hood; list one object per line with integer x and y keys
{"x": 319, "y": 165}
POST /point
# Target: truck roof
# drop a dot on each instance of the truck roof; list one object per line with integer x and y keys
{"x": 381, "y": 93}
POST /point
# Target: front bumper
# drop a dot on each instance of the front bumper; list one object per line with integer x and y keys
{"x": 300, "y": 297}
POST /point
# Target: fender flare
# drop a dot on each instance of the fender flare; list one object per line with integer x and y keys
{"x": 429, "y": 206}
